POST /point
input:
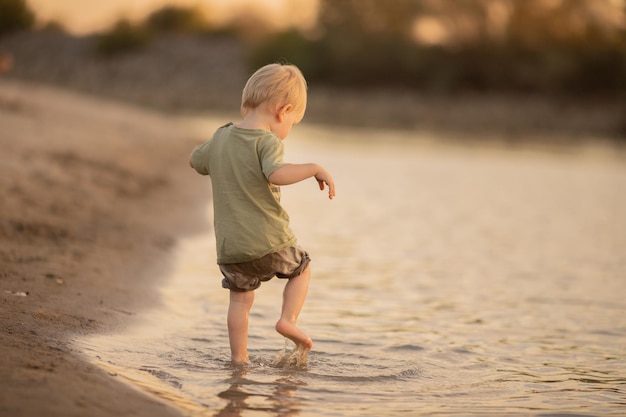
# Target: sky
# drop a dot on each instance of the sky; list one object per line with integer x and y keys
{"x": 87, "y": 16}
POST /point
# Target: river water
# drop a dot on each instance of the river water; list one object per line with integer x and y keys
{"x": 447, "y": 280}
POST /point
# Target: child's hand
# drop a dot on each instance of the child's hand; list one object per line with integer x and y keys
{"x": 292, "y": 173}
{"x": 323, "y": 177}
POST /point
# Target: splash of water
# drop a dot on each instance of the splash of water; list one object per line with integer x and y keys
{"x": 296, "y": 357}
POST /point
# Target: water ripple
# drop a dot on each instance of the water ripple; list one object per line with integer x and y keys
{"x": 459, "y": 283}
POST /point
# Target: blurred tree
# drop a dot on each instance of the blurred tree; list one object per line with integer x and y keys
{"x": 346, "y": 27}
{"x": 360, "y": 17}
{"x": 176, "y": 19}
{"x": 526, "y": 22}
{"x": 290, "y": 45}
{"x": 574, "y": 44}
{"x": 15, "y": 15}
{"x": 124, "y": 37}
{"x": 251, "y": 25}
{"x": 530, "y": 46}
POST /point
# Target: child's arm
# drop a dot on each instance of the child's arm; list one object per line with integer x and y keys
{"x": 197, "y": 165}
{"x": 292, "y": 173}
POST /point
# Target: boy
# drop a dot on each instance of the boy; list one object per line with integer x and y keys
{"x": 253, "y": 239}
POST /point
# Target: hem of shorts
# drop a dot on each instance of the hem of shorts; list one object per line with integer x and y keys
{"x": 231, "y": 260}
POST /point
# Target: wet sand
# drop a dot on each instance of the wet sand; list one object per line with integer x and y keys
{"x": 94, "y": 197}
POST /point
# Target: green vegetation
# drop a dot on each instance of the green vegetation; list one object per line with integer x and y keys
{"x": 572, "y": 47}
{"x": 14, "y": 16}
{"x": 122, "y": 38}
{"x": 125, "y": 36}
{"x": 171, "y": 19}
{"x": 569, "y": 47}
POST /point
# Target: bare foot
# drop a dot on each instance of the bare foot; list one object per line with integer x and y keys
{"x": 239, "y": 361}
{"x": 297, "y": 336}
{"x": 297, "y": 357}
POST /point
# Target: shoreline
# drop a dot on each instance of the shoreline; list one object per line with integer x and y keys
{"x": 95, "y": 196}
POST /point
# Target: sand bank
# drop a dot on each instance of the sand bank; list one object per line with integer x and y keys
{"x": 94, "y": 196}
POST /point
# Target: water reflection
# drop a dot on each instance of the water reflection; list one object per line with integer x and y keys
{"x": 277, "y": 397}
{"x": 464, "y": 283}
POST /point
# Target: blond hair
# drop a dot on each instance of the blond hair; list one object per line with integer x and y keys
{"x": 275, "y": 85}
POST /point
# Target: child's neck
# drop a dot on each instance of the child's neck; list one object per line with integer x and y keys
{"x": 256, "y": 119}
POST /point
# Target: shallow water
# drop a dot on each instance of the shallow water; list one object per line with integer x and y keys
{"x": 446, "y": 281}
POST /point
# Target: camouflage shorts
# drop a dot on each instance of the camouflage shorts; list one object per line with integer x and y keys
{"x": 247, "y": 276}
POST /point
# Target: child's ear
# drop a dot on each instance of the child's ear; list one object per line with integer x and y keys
{"x": 282, "y": 111}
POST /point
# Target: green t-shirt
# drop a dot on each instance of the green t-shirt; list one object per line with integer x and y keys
{"x": 249, "y": 220}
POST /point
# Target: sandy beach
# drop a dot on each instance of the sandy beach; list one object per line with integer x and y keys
{"x": 94, "y": 197}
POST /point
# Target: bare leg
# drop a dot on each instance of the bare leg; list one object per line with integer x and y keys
{"x": 293, "y": 300}
{"x": 238, "y": 313}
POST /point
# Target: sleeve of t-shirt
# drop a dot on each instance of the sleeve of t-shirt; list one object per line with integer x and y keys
{"x": 199, "y": 158}
{"x": 271, "y": 153}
